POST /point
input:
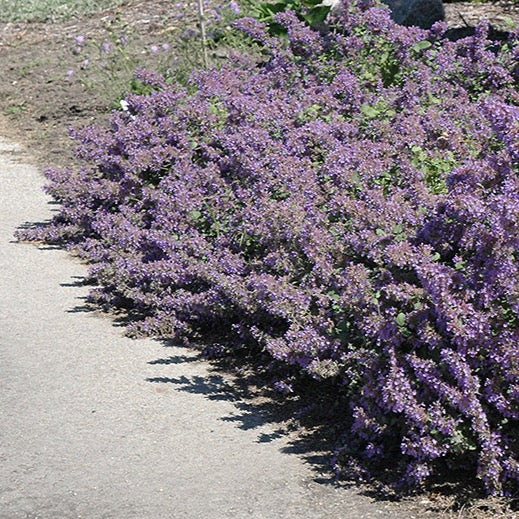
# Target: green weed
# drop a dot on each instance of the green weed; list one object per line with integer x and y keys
{"x": 15, "y": 108}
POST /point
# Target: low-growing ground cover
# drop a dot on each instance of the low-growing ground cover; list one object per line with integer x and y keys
{"x": 346, "y": 210}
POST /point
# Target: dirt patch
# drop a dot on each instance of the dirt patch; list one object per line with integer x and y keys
{"x": 40, "y": 96}
{"x": 41, "y": 103}
{"x": 499, "y": 14}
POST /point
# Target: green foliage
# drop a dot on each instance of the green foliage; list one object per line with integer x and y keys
{"x": 15, "y": 108}
{"x": 309, "y": 11}
{"x": 435, "y": 168}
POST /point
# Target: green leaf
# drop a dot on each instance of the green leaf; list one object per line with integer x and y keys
{"x": 333, "y": 295}
{"x": 397, "y": 229}
{"x": 312, "y": 3}
{"x": 421, "y": 45}
{"x": 510, "y": 23}
{"x": 196, "y": 215}
{"x": 369, "y": 111}
{"x": 265, "y": 12}
{"x": 380, "y": 232}
{"x": 400, "y": 319}
{"x": 317, "y": 15}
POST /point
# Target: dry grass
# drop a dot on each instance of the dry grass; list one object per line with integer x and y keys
{"x": 51, "y": 10}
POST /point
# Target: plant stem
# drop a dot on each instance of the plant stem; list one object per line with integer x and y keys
{"x": 202, "y": 32}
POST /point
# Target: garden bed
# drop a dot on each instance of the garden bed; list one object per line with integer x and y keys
{"x": 345, "y": 225}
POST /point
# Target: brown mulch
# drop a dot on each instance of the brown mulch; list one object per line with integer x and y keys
{"x": 460, "y": 14}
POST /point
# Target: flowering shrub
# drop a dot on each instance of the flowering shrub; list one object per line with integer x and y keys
{"x": 349, "y": 206}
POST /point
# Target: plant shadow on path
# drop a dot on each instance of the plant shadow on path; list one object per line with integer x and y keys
{"x": 255, "y": 406}
{"x": 313, "y": 435}
{"x": 312, "y": 430}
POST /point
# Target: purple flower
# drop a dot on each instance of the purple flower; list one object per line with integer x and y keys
{"x": 234, "y": 7}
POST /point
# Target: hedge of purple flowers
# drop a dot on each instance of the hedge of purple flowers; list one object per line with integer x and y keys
{"x": 348, "y": 206}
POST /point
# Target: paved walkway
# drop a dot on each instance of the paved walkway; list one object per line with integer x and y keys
{"x": 84, "y": 430}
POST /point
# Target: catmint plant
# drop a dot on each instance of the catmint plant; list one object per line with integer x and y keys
{"x": 348, "y": 207}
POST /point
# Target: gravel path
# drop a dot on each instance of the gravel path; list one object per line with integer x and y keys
{"x": 95, "y": 425}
